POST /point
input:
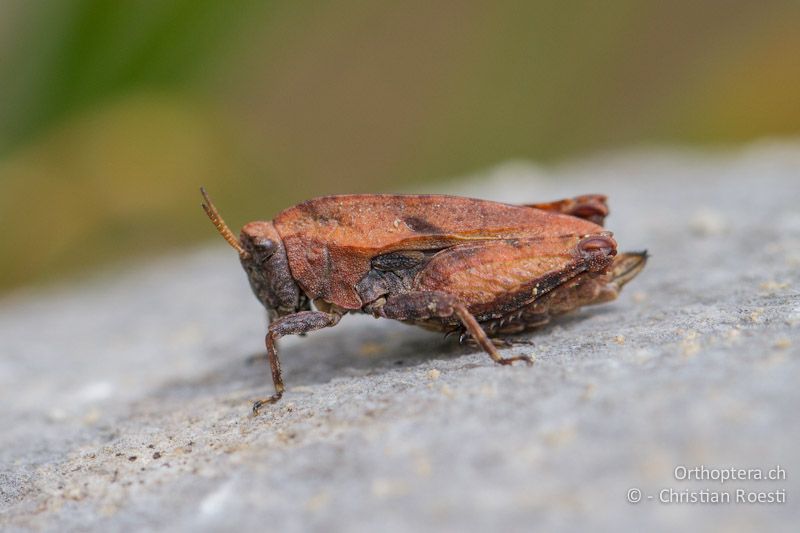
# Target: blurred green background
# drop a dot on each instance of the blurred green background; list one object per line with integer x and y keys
{"x": 112, "y": 113}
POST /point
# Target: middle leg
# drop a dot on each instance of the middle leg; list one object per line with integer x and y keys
{"x": 424, "y": 305}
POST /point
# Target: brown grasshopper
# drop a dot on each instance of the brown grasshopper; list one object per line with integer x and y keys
{"x": 483, "y": 269}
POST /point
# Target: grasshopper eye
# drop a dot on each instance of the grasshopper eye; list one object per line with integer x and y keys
{"x": 263, "y": 249}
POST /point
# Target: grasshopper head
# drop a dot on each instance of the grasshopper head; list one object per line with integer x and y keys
{"x": 267, "y": 269}
{"x": 263, "y": 257}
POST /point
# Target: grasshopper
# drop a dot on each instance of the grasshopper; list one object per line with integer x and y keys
{"x": 479, "y": 268}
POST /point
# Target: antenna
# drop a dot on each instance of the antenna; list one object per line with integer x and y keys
{"x": 222, "y": 228}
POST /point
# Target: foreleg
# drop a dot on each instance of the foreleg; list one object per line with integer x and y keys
{"x": 295, "y": 324}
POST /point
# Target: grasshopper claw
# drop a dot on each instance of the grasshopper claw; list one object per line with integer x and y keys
{"x": 258, "y": 404}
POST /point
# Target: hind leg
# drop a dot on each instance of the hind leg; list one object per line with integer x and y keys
{"x": 591, "y": 207}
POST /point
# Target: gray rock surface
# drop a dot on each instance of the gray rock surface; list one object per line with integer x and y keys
{"x": 125, "y": 397}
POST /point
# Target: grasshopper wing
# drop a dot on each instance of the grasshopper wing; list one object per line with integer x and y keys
{"x": 330, "y": 241}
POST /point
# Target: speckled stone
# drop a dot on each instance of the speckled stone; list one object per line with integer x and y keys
{"x": 126, "y": 397}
